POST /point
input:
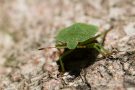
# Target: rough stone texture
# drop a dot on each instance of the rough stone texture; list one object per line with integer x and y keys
{"x": 114, "y": 73}
{"x": 27, "y": 25}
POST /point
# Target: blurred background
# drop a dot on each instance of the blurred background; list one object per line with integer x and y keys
{"x": 27, "y": 25}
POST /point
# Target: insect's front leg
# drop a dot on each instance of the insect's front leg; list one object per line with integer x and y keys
{"x": 61, "y": 58}
{"x": 63, "y": 55}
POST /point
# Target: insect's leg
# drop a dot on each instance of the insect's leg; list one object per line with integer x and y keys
{"x": 99, "y": 48}
{"x": 102, "y": 35}
{"x": 62, "y": 65}
{"x": 60, "y": 59}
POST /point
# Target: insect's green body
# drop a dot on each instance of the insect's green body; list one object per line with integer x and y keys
{"x": 75, "y": 34}
{"x": 78, "y": 35}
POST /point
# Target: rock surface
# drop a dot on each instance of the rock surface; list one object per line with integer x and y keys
{"x": 27, "y": 25}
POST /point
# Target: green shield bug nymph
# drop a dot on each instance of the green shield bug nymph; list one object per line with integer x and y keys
{"x": 78, "y": 35}
{"x": 75, "y": 34}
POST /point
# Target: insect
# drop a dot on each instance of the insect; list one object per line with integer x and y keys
{"x": 78, "y": 35}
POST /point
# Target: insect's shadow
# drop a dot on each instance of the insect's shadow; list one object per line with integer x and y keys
{"x": 79, "y": 59}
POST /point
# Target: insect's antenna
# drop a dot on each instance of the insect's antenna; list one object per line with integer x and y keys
{"x": 46, "y": 48}
{"x": 105, "y": 34}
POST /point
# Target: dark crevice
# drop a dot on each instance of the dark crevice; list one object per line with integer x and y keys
{"x": 78, "y": 59}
